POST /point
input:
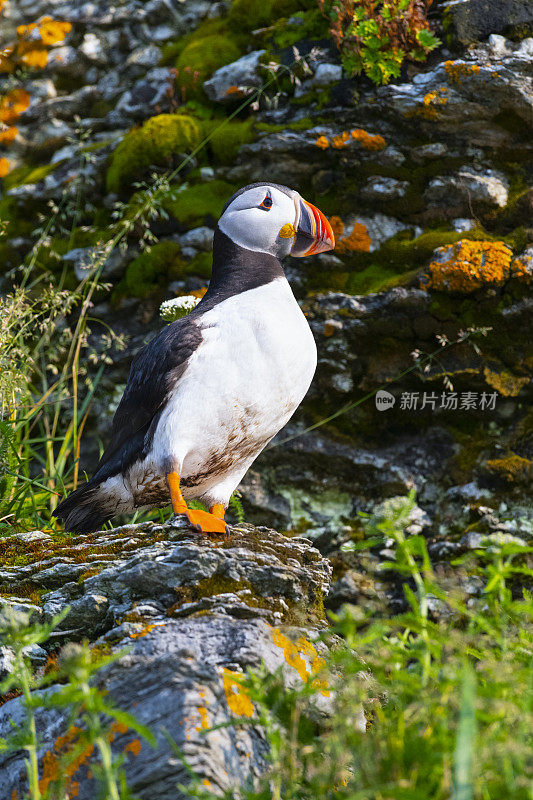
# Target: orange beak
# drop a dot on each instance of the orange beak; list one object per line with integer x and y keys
{"x": 314, "y": 233}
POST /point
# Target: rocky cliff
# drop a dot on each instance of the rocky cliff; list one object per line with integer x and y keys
{"x": 190, "y": 615}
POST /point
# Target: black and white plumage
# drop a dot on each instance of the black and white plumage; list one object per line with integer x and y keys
{"x": 206, "y": 395}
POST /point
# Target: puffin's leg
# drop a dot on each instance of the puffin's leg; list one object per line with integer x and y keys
{"x": 201, "y": 520}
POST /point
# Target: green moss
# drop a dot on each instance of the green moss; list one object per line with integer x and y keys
{"x": 28, "y": 174}
{"x": 312, "y": 25}
{"x": 152, "y": 269}
{"x": 199, "y": 59}
{"x": 159, "y": 142}
{"x": 227, "y": 139}
{"x": 100, "y": 108}
{"x": 201, "y": 265}
{"x": 192, "y": 205}
{"x": 302, "y": 124}
{"x": 248, "y": 15}
{"x": 376, "y": 279}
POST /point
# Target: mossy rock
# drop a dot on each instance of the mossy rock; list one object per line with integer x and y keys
{"x": 157, "y": 143}
{"x": 199, "y": 59}
{"x": 227, "y": 139}
{"x": 195, "y": 203}
{"x": 152, "y": 270}
{"x": 248, "y": 15}
{"x": 28, "y": 174}
{"x": 310, "y": 24}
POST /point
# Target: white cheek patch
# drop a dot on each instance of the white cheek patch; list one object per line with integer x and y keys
{"x": 257, "y": 229}
{"x": 248, "y": 228}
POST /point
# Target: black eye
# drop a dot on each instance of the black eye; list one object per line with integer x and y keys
{"x": 267, "y": 203}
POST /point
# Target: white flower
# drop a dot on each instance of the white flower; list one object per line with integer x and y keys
{"x": 172, "y": 310}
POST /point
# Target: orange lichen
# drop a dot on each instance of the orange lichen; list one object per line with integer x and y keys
{"x": 428, "y": 107}
{"x": 146, "y": 630}
{"x": 521, "y": 269}
{"x": 322, "y": 142}
{"x": 204, "y": 723}
{"x": 369, "y": 141}
{"x": 13, "y": 104}
{"x": 298, "y": 654}
{"x": 468, "y": 265}
{"x": 53, "y": 31}
{"x": 36, "y": 58}
{"x": 458, "y": 71}
{"x": 33, "y": 39}
{"x": 133, "y": 747}
{"x": 358, "y": 241}
{"x": 236, "y": 695}
{"x": 4, "y": 167}
{"x": 206, "y": 783}
{"x": 117, "y": 727}
{"x": 53, "y": 769}
{"x": 8, "y": 135}
{"x": 341, "y": 140}
{"x": 6, "y": 59}
{"x": 505, "y": 382}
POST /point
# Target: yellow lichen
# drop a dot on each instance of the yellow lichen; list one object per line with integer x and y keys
{"x": 512, "y": 469}
{"x": 504, "y": 382}
{"x": 458, "y": 71}
{"x": 522, "y": 268}
{"x": 428, "y": 107}
{"x": 303, "y": 657}
{"x": 470, "y": 266}
{"x": 236, "y": 695}
{"x": 369, "y": 141}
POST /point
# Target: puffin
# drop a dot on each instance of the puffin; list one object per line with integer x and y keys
{"x": 210, "y": 390}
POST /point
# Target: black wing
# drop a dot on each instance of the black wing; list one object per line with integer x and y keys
{"x": 154, "y": 372}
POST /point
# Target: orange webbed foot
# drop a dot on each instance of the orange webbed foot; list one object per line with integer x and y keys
{"x": 205, "y": 522}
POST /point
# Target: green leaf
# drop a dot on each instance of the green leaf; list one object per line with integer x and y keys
{"x": 427, "y": 39}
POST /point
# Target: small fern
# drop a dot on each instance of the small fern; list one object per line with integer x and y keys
{"x": 236, "y": 507}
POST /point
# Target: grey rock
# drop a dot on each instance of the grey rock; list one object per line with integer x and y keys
{"x": 242, "y": 73}
{"x": 476, "y": 19}
{"x": 381, "y": 188}
{"x": 92, "y": 48}
{"x": 30, "y": 536}
{"x": 200, "y": 238}
{"x": 462, "y": 224}
{"x": 326, "y": 74}
{"x": 429, "y": 151}
{"x": 489, "y": 187}
{"x": 141, "y": 99}
{"x": 148, "y": 56}
{"x": 178, "y": 675}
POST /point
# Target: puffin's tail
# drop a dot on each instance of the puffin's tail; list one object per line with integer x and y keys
{"x": 84, "y": 510}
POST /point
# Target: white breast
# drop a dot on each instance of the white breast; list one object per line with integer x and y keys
{"x": 243, "y": 383}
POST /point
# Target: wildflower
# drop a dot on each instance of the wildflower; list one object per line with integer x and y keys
{"x": 172, "y": 310}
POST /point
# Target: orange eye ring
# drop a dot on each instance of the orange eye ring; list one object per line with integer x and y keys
{"x": 267, "y": 203}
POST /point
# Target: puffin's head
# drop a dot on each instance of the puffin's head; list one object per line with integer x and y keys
{"x": 269, "y": 218}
